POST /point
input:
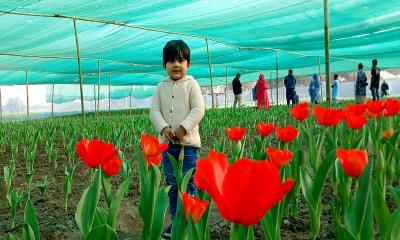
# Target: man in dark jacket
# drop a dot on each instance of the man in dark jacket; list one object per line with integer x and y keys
{"x": 237, "y": 90}
{"x": 375, "y": 76}
{"x": 384, "y": 89}
{"x": 290, "y": 85}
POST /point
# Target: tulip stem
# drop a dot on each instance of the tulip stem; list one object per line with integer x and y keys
{"x": 234, "y": 231}
{"x": 239, "y": 232}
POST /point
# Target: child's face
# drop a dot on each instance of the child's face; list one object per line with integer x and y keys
{"x": 177, "y": 69}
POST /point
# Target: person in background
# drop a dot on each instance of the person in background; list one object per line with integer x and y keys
{"x": 384, "y": 89}
{"x": 361, "y": 85}
{"x": 290, "y": 85}
{"x": 254, "y": 93}
{"x": 335, "y": 88}
{"x": 261, "y": 92}
{"x": 375, "y": 76}
{"x": 176, "y": 111}
{"x": 237, "y": 91}
{"x": 314, "y": 90}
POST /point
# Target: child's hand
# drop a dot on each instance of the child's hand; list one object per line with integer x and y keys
{"x": 168, "y": 133}
{"x": 180, "y": 132}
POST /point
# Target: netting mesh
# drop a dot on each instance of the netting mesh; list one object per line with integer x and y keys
{"x": 243, "y": 36}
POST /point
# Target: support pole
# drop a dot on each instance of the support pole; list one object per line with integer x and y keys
{"x": 226, "y": 84}
{"x": 270, "y": 85}
{"x": 319, "y": 75}
{"x": 52, "y": 102}
{"x": 355, "y": 75}
{"x": 1, "y": 108}
{"x": 276, "y": 68}
{"x": 130, "y": 101}
{"x": 27, "y": 94}
{"x": 109, "y": 93}
{"x": 98, "y": 87}
{"x": 327, "y": 54}
{"x": 78, "y": 55}
{"x": 210, "y": 68}
{"x": 94, "y": 97}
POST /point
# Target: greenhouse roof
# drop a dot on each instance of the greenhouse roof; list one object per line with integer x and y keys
{"x": 124, "y": 39}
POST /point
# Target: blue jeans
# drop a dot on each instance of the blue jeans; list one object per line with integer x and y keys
{"x": 375, "y": 93}
{"x": 189, "y": 162}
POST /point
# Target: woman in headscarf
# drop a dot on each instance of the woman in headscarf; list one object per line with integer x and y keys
{"x": 313, "y": 89}
{"x": 261, "y": 92}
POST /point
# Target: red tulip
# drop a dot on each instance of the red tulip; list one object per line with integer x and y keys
{"x": 195, "y": 206}
{"x": 388, "y": 134}
{"x": 152, "y": 149}
{"x": 328, "y": 116}
{"x": 279, "y": 157}
{"x": 265, "y": 128}
{"x": 392, "y": 107}
{"x": 354, "y": 121}
{"x": 300, "y": 111}
{"x": 243, "y": 191}
{"x": 95, "y": 153}
{"x": 357, "y": 109}
{"x": 235, "y": 134}
{"x": 353, "y": 161}
{"x": 111, "y": 168}
{"x": 374, "y": 115}
{"x": 286, "y": 134}
{"x": 375, "y": 107}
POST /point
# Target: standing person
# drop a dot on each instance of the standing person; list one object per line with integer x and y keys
{"x": 237, "y": 91}
{"x": 261, "y": 92}
{"x": 361, "y": 85}
{"x": 176, "y": 111}
{"x": 375, "y": 76}
{"x": 384, "y": 89}
{"x": 254, "y": 93}
{"x": 313, "y": 89}
{"x": 335, "y": 88}
{"x": 290, "y": 85}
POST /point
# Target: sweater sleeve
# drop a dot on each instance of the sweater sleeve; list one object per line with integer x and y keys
{"x": 197, "y": 108}
{"x": 156, "y": 116}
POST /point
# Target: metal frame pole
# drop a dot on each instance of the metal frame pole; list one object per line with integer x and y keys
{"x": 130, "y": 101}
{"x": 270, "y": 86}
{"x": 319, "y": 75}
{"x": 211, "y": 79}
{"x": 277, "y": 70}
{"x": 94, "y": 97}
{"x": 52, "y": 102}
{"x": 27, "y": 94}
{"x": 98, "y": 87}
{"x": 78, "y": 55}
{"x": 226, "y": 84}
{"x": 1, "y": 108}
{"x": 327, "y": 53}
{"x": 109, "y": 93}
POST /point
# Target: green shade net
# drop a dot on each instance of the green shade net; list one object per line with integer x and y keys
{"x": 243, "y": 36}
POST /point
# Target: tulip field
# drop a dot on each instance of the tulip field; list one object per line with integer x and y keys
{"x": 307, "y": 172}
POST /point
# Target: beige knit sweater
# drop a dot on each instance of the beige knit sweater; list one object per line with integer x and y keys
{"x": 178, "y": 103}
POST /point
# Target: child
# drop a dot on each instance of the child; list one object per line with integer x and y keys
{"x": 176, "y": 110}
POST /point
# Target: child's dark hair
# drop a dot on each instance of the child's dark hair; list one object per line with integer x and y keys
{"x": 176, "y": 49}
{"x": 374, "y": 62}
{"x": 335, "y": 76}
{"x": 360, "y": 66}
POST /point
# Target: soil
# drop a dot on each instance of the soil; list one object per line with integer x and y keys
{"x": 57, "y": 224}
